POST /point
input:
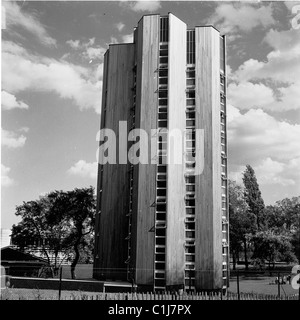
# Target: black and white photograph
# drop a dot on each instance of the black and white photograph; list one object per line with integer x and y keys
{"x": 150, "y": 151}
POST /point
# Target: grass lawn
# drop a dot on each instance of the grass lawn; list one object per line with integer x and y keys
{"x": 260, "y": 284}
{"x": 41, "y": 294}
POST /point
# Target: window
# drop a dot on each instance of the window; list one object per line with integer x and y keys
{"x": 163, "y": 60}
{"x": 163, "y": 73}
{"x": 190, "y": 234}
{"x": 163, "y": 35}
{"x": 160, "y": 232}
{"x": 160, "y": 216}
{"x": 190, "y": 94}
{"x": 190, "y": 123}
{"x": 190, "y": 179}
{"x": 160, "y": 257}
{"x": 161, "y": 207}
{"x": 190, "y": 82}
{"x": 222, "y": 54}
{"x": 190, "y": 188}
{"x": 163, "y": 81}
{"x": 190, "y": 226}
{"x": 190, "y": 211}
{"x": 190, "y": 56}
{"x": 190, "y": 202}
{"x": 159, "y": 266}
{"x": 161, "y": 169}
{"x": 161, "y": 192}
{"x": 163, "y": 102}
{"x": 190, "y": 115}
{"x": 190, "y": 73}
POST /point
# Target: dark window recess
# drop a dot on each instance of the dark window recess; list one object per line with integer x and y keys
{"x": 190, "y": 82}
{"x": 190, "y": 74}
{"x": 163, "y": 81}
{"x": 160, "y": 266}
{"x": 161, "y": 216}
{"x": 162, "y": 116}
{"x": 162, "y": 169}
{"x": 160, "y": 241}
{"x": 163, "y": 53}
{"x": 164, "y": 29}
{"x": 163, "y": 94}
{"x": 161, "y": 207}
{"x": 190, "y": 202}
{"x": 163, "y": 109}
{"x": 161, "y": 184}
{"x": 159, "y": 276}
{"x": 162, "y": 124}
{"x": 161, "y": 232}
{"x": 190, "y": 210}
{"x": 190, "y": 234}
{"x": 190, "y": 258}
{"x": 190, "y": 179}
{"x": 190, "y": 225}
{"x": 163, "y": 60}
{"x": 163, "y": 73}
{"x": 190, "y": 94}
{"x": 161, "y": 192}
{"x": 190, "y": 249}
{"x": 190, "y": 123}
{"x": 190, "y": 54}
{"x": 190, "y": 115}
{"x": 160, "y": 249}
{"x": 190, "y": 273}
{"x": 190, "y": 102}
{"x": 190, "y": 188}
{"x": 222, "y": 54}
{"x": 163, "y": 102}
{"x": 189, "y": 282}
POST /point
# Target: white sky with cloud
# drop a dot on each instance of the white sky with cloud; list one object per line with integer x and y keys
{"x": 52, "y": 64}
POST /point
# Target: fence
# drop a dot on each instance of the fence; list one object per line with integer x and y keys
{"x": 7, "y": 294}
{"x": 244, "y": 285}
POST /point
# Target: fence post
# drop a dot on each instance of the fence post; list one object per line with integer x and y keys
{"x": 238, "y": 284}
{"x": 60, "y": 276}
{"x": 278, "y": 285}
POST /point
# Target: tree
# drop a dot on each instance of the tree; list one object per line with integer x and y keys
{"x": 271, "y": 248}
{"x": 253, "y": 195}
{"x": 58, "y": 223}
{"x": 242, "y": 221}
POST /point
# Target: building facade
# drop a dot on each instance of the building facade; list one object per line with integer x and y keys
{"x": 164, "y": 224}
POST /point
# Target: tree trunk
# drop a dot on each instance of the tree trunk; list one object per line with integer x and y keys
{"x": 234, "y": 260}
{"x": 74, "y": 262}
{"x": 245, "y": 253}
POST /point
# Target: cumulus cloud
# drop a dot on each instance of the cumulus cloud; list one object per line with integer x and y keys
{"x": 128, "y": 38}
{"x": 17, "y": 17}
{"x": 248, "y": 95}
{"x": 74, "y": 44}
{"x": 232, "y": 18}
{"x": 120, "y": 26}
{"x": 94, "y": 53}
{"x": 6, "y": 181}
{"x": 12, "y": 140}
{"x": 84, "y": 169}
{"x": 87, "y": 49}
{"x": 9, "y": 101}
{"x": 142, "y": 5}
{"x": 23, "y": 71}
{"x": 272, "y": 147}
{"x": 277, "y": 78}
